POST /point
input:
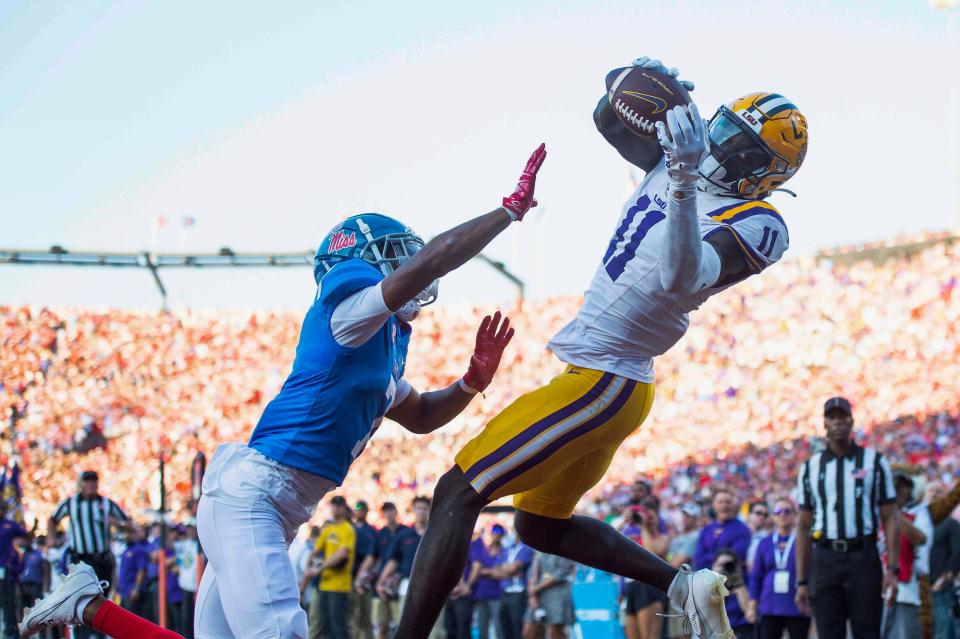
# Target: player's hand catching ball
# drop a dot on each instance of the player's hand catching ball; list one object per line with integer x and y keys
{"x": 647, "y": 62}
{"x": 492, "y": 338}
{"x": 521, "y": 200}
{"x": 685, "y": 141}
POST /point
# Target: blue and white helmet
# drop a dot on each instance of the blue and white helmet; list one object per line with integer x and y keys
{"x": 378, "y": 240}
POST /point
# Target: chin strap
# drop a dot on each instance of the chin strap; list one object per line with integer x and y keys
{"x": 784, "y": 191}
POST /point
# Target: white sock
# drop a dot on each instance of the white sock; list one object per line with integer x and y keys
{"x": 82, "y": 602}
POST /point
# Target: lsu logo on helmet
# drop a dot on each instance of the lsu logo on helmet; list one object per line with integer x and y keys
{"x": 757, "y": 143}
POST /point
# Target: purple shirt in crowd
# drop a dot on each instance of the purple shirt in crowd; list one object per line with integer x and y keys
{"x": 522, "y": 553}
{"x": 716, "y": 536}
{"x": 9, "y": 530}
{"x": 134, "y": 559}
{"x": 31, "y": 567}
{"x": 486, "y": 588}
{"x": 761, "y": 580}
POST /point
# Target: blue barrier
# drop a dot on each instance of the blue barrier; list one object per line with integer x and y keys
{"x": 595, "y": 604}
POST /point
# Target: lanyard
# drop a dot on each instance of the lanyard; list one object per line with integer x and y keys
{"x": 780, "y": 557}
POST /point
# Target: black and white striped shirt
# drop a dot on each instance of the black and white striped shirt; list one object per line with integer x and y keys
{"x": 89, "y": 529}
{"x": 845, "y": 494}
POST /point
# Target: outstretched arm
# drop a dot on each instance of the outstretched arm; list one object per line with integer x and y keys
{"x": 426, "y": 412}
{"x": 687, "y": 263}
{"x": 451, "y": 249}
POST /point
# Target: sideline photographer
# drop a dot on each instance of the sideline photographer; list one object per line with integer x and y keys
{"x": 728, "y": 564}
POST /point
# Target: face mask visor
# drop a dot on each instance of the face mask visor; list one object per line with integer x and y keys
{"x": 736, "y": 151}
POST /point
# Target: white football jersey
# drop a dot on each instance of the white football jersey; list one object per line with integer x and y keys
{"x": 627, "y": 318}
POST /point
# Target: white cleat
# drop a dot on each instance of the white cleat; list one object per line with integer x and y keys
{"x": 698, "y": 598}
{"x": 65, "y": 604}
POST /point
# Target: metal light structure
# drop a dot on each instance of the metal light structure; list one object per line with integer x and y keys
{"x": 949, "y": 7}
{"x": 59, "y": 256}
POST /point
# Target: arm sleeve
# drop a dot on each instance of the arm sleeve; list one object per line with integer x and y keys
{"x": 755, "y": 581}
{"x": 685, "y": 259}
{"x": 804, "y": 494}
{"x": 321, "y": 539}
{"x": 358, "y": 317}
{"x": 117, "y": 512}
{"x": 525, "y": 556}
{"x": 61, "y": 510}
{"x": 394, "y": 552}
{"x": 403, "y": 391}
{"x": 742, "y": 543}
{"x": 700, "y": 554}
{"x": 884, "y": 489}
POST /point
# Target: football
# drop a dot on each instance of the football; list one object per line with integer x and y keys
{"x": 641, "y": 97}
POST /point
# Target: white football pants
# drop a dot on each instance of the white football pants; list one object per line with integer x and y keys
{"x": 250, "y": 510}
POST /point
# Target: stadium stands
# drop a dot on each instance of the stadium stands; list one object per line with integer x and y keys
{"x": 737, "y": 399}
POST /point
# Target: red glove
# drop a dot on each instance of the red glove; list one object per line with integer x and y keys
{"x": 522, "y": 200}
{"x": 486, "y": 355}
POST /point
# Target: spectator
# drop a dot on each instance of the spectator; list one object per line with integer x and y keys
{"x": 401, "y": 553}
{"x": 846, "y": 581}
{"x": 944, "y": 564}
{"x": 902, "y": 613}
{"x": 682, "y": 549}
{"x": 386, "y": 612}
{"x": 187, "y": 549}
{"x": 773, "y": 578}
{"x": 513, "y": 572}
{"x": 550, "y": 606}
{"x": 174, "y": 595}
{"x": 151, "y": 607}
{"x": 644, "y": 603}
{"x": 34, "y": 573}
{"x": 758, "y": 521}
{"x": 335, "y": 551}
{"x": 9, "y": 532}
{"x": 132, "y": 572}
{"x": 683, "y": 546}
{"x": 726, "y": 531}
{"x": 485, "y": 584}
{"x": 458, "y": 612}
{"x": 300, "y": 552}
{"x": 361, "y": 603}
{"x": 729, "y": 563}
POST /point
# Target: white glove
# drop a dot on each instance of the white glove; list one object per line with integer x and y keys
{"x": 685, "y": 141}
{"x": 649, "y": 63}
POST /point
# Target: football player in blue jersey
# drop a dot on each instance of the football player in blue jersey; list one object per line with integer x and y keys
{"x": 373, "y": 275}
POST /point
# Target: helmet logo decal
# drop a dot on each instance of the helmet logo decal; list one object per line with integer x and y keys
{"x": 340, "y": 240}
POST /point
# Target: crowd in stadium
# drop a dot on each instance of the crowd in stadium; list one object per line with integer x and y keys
{"x": 738, "y": 400}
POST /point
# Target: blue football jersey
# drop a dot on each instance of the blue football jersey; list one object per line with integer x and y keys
{"x": 335, "y": 396}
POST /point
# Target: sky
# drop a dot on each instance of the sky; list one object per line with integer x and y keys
{"x": 267, "y": 123}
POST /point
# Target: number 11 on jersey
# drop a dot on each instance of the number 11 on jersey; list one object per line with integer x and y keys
{"x": 622, "y": 247}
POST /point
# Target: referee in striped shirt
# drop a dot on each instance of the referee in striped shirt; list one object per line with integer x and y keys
{"x": 846, "y": 493}
{"x": 88, "y": 534}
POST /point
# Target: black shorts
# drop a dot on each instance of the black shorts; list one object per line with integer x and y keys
{"x": 640, "y": 595}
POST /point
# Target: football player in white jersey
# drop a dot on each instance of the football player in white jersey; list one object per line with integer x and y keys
{"x": 699, "y": 223}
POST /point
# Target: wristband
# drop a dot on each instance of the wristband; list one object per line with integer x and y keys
{"x": 894, "y": 569}
{"x": 466, "y": 389}
{"x": 679, "y": 193}
{"x": 801, "y": 582}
